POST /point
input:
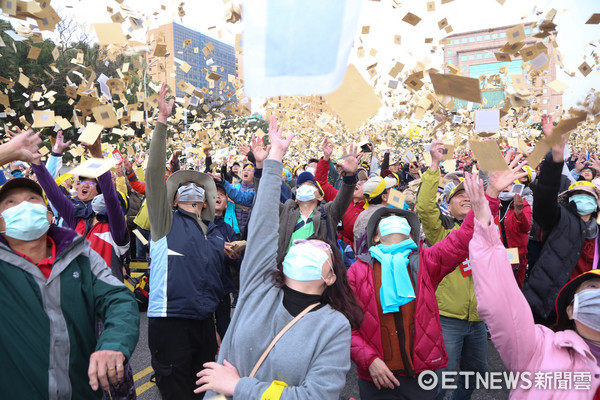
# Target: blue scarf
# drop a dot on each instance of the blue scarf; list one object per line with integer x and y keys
{"x": 396, "y": 287}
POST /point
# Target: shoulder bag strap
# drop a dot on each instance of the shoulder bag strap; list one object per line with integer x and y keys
{"x": 279, "y": 335}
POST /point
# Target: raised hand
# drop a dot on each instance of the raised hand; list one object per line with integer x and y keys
{"x": 96, "y": 148}
{"x": 164, "y": 108}
{"x": 259, "y": 151}
{"x": 351, "y": 160}
{"x": 499, "y": 180}
{"x": 547, "y": 125}
{"x": 595, "y": 162}
{"x": 24, "y": 146}
{"x": 128, "y": 166}
{"x": 176, "y": 155}
{"x": 244, "y": 149}
{"x": 580, "y": 163}
{"x": 278, "y": 145}
{"x": 437, "y": 153}
{"x": 479, "y": 204}
{"x": 139, "y": 159}
{"x": 519, "y": 203}
{"x": 558, "y": 150}
{"x": 60, "y": 145}
{"x": 327, "y": 149}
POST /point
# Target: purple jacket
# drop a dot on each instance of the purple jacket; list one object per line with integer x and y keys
{"x": 523, "y": 345}
{"x": 65, "y": 207}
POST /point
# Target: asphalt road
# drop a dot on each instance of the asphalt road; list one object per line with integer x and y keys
{"x": 140, "y": 361}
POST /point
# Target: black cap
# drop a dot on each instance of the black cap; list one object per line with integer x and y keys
{"x": 220, "y": 186}
{"x": 18, "y": 183}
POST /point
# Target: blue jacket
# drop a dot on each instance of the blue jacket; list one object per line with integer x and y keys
{"x": 231, "y": 266}
{"x": 186, "y": 270}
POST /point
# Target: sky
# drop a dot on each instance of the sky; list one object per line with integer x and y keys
{"x": 385, "y": 22}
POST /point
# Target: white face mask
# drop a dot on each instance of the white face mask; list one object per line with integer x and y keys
{"x": 191, "y": 193}
{"x": 304, "y": 262}
{"x": 503, "y": 196}
{"x": 305, "y": 193}
{"x": 98, "y": 204}
{"x": 586, "y": 308}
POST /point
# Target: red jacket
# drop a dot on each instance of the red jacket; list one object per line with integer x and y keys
{"x": 429, "y": 352}
{"x": 329, "y": 193}
{"x": 516, "y": 234}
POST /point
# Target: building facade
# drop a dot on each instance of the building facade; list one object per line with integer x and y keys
{"x": 473, "y": 53}
{"x": 203, "y": 54}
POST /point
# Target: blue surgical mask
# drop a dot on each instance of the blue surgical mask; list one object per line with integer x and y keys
{"x": 26, "y": 221}
{"x": 305, "y": 193}
{"x": 585, "y": 204}
{"x": 304, "y": 262}
{"x": 586, "y": 308}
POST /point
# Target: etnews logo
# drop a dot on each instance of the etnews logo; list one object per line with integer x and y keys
{"x": 558, "y": 380}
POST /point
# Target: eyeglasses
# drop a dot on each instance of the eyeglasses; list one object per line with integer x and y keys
{"x": 91, "y": 183}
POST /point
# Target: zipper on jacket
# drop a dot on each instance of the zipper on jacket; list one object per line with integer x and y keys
{"x": 398, "y": 319}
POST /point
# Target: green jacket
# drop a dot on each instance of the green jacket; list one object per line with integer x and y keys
{"x": 455, "y": 293}
{"x": 48, "y": 326}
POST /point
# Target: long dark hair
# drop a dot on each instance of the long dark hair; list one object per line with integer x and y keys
{"x": 339, "y": 295}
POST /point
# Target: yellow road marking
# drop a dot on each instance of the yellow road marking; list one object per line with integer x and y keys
{"x": 144, "y": 387}
{"x": 142, "y": 374}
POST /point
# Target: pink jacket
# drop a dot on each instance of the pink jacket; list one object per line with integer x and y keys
{"x": 429, "y": 352}
{"x": 523, "y": 345}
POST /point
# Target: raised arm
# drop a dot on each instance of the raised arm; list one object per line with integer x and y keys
{"x": 114, "y": 212}
{"x": 426, "y": 207}
{"x": 329, "y": 192}
{"x": 59, "y": 200}
{"x": 116, "y": 218}
{"x": 263, "y": 228}
{"x": 22, "y": 146}
{"x": 54, "y": 162}
{"x": 133, "y": 179}
{"x": 385, "y": 164}
{"x": 339, "y": 205}
{"x": 500, "y": 303}
{"x": 520, "y": 221}
{"x": 453, "y": 250}
{"x": 159, "y": 207}
{"x": 545, "y": 199}
{"x": 241, "y": 197}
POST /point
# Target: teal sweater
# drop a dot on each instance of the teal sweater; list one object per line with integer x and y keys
{"x": 313, "y": 357}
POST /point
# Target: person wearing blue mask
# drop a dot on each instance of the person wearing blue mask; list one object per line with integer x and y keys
{"x": 569, "y": 349}
{"x": 300, "y": 306}
{"x": 395, "y": 283}
{"x": 570, "y": 231}
{"x": 53, "y": 287}
{"x": 307, "y": 215}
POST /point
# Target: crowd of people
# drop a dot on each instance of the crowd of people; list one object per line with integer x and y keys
{"x": 268, "y": 279}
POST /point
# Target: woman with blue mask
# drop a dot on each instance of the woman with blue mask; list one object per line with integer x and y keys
{"x": 570, "y": 230}
{"x": 308, "y": 290}
{"x": 568, "y": 351}
{"x": 395, "y": 283}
